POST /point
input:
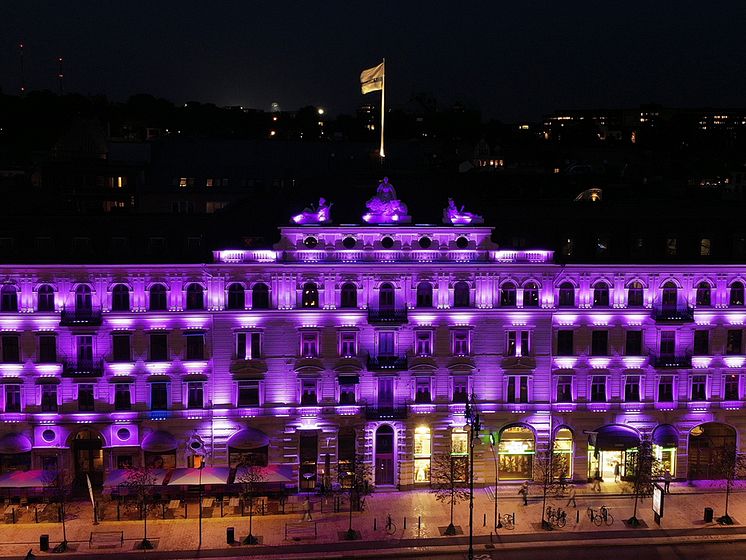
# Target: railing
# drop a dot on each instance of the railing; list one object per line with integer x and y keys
{"x": 87, "y": 317}
{"x": 387, "y": 363}
{"x": 83, "y": 368}
{"x": 673, "y": 313}
{"x": 387, "y": 316}
{"x": 676, "y": 361}
{"x": 385, "y": 412}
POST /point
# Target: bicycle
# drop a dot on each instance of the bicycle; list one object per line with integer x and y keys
{"x": 557, "y": 517}
{"x": 507, "y": 521}
{"x": 601, "y": 516}
{"x": 390, "y": 525}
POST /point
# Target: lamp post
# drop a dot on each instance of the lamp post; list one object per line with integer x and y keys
{"x": 201, "y": 466}
{"x": 473, "y": 422}
{"x": 493, "y": 445}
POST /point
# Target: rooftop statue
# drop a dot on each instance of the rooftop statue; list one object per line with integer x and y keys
{"x": 453, "y": 215}
{"x": 319, "y": 215}
{"x": 385, "y": 208}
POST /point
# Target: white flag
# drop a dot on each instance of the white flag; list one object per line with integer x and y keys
{"x": 372, "y": 78}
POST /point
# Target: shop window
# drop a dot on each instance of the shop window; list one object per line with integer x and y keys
{"x": 195, "y": 346}
{"x": 516, "y": 450}
{"x": 346, "y": 456}
{"x": 45, "y": 301}
{"x": 460, "y": 339}
{"x": 12, "y": 398}
{"x": 195, "y": 297}
{"x": 600, "y": 343}
{"x": 248, "y": 393}
{"x": 159, "y": 396}
{"x": 422, "y": 454}
{"x": 701, "y": 342}
{"x": 308, "y": 446}
{"x": 260, "y": 296}
{"x": 158, "y": 347}
{"x": 598, "y": 388}
{"x": 699, "y": 388}
{"x": 731, "y": 387}
{"x": 49, "y": 398}
{"x": 665, "y": 388}
{"x": 460, "y": 455}
{"x": 600, "y": 295}
{"x": 309, "y": 344}
{"x": 308, "y": 392}
{"x": 565, "y": 345}
{"x": 236, "y": 296}
{"x": 563, "y": 446}
{"x": 564, "y": 389}
{"x": 195, "y": 394}
{"x": 703, "y": 295}
{"x": 158, "y": 298}
{"x": 120, "y": 348}
{"x": 566, "y": 295}
{"x": 734, "y": 342}
{"x": 122, "y": 396}
{"x": 347, "y": 343}
{"x": 632, "y": 388}
{"x": 531, "y": 295}
{"x": 517, "y": 389}
{"x": 633, "y": 344}
{"x": 635, "y": 295}
{"x": 120, "y": 298}
{"x": 422, "y": 390}
{"x": 507, "y": 295}
{"x": 736, "y": 294}
{"x": 348, "y": 296}
{"x": 460, "y": 389}
{"x": 423, "y": 343}
{"x": 424, "y": 295}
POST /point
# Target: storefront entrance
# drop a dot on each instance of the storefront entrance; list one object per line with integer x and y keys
{"x": 516, "y": 450}
{"x": 88, "y": 454}
{"x": 711, "y": 445}
{"x": 612, "y": 451}
{"x": 385, "y": 455}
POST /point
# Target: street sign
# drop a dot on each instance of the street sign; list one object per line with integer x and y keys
{"x": 658, "y": 502}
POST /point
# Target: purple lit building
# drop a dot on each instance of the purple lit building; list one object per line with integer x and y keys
{"x": 368, "y": 340}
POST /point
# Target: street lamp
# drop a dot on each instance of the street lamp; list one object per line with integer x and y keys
{"x": 493, "y": 445}
{"x": 474, "y": 423}
{"x": 201, "y": 466}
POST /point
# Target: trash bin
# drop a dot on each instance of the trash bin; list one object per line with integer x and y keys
{"x": 44, "y": 543}
{"x": 709, "y": 515}
{"x": 230, "y": 535}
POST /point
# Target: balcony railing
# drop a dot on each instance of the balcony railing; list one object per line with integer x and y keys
{"x": 677, "y": 361}
{"x": 385, "y": 412}
{"x": 387, "y": 316}
{"x": 387, "y": 363}
{"x": 673, "y": 314}
{"x": 83, "y": 368}
{"x": 83, "y": 317}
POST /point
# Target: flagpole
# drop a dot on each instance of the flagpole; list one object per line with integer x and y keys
{"x": 383, "y": 107}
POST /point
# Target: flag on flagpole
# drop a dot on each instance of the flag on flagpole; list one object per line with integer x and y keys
{"x": 372, "y": 78}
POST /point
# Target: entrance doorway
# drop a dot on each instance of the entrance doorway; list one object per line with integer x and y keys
{"x": 711, "y": 445}
{"x": 88, "y": 454}
{"x": 385, "y": 455}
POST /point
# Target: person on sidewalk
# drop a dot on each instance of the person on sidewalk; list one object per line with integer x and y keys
{"x": 307, "y": 510}
{"x": 617, "y": 470}
{"x": 571, "y": 498}
{"x": 667, "y": 482}
{"x": 523, "y": 491}
{"x": 596, "y": 486}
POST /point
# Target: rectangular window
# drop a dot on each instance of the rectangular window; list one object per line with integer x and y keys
{"x": 668, "y": 343}
{"x": 632, "y": 388}
{"x": 665, "y": 388}
{"x": 598, "y": 388}
{"x": 86, "y": 402}
{"x": 248, "y": 393}
{"x": 47, "y": 348}
{"x": 424, "y": 343}
{"x": 308, "y": 392}
{"x": 422, "y": 452}
{"x": 158, "y": 347}
{"x": 460, "y": 389}
{"x": 159, "y": 396}
{"x": 511, "y": 343}
{"x": 422, "y": 390}
{"x": 731, "y": 387}
{"x": 460, "y": 343}
{"x": 699, "y": 387}
{"x": 122, "y": 396}
{"x": 460, "y": 455}
{"x": 120, "y": 348}
{"x": 517, "y": 391}
{"x": 733, "y": 344}
{"x": 12, "y": 398}
{"x": 633, "y": 346}
{"x": 600, "y": 343}
{"x": 195, "y": 347}
{"x": 309, "y": 344}
{"x": 49, "y": 398}
{"x": 348, "y": 343}
{"x": 701, "y": 342}
{"x": 11, "y": 350}
{"x": 564, "y": 388}
{"x": 84, "y": 349}
{"x": 195, "y": 394}
{"x": 386, "y": 343}
{"x": 525, "y": 349}
{"x": 248, "y": 345}
{"x": 347, "y": 384}
{"x": 565, "y": 343}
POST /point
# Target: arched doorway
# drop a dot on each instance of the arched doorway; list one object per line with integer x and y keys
{"x": 516, "y": 450}
{"x": 665, "y": 446}
{"x": 563, "y": 447}
{"x": 610, "y": 447}
{"x": 385, "y": 455}
{"x": 709, "y": 446}
{"x": 88, "y": 454}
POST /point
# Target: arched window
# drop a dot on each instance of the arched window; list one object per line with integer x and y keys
{"x": 83, "y": 301}
{"x": 120, "y": 298}
{"x": 158, "y": 298}
{"x": 45, "y": 301}
{"x": 310, "y": 295}
{"x": 634, "y": 295}
{"x": 669, "y": 295}
{"x": 703, "y": 294}
{"x": 461, "y": 296}
{"x": 424, "y": 294}
{"x": 236, "y": 297}
{"x": 348, "y": 296}
{"x": 9, "y": 299}
{"x": 566, "y": 295}
{"x": 736, "y": 293}
{"x": 600, "y": 294}
{"x": 260, "y": 296}
{"x": 531, "y": 295}
{"x": 195, "y": 297}
{"x": 507, "y": 295}
{"x": 386, "y": 296}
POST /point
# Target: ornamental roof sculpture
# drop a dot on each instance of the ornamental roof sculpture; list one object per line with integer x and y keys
{"x": 452, "y": 215}
{"x": 385, "y": 208}
{"x": 318, "y": 215}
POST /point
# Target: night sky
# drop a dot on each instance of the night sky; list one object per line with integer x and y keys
{"x": 516, "y": 60}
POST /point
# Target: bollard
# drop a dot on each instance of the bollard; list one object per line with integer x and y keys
{"x": 577, "y": 516}
{"x": 44, "y": 543}
{"x": 405, "y": 523}
{"x": 484, "y": 520}
{"x": 419, "y": 523}
{"x": 375, "y": 523}
{"x": 230, "y": 535}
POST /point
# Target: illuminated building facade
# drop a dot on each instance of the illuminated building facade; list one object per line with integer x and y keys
{"x": 366, "y": 341}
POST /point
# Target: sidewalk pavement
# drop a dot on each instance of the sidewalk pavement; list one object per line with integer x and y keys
{"x": 425, "y": 520}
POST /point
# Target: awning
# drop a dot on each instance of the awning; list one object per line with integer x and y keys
{"x": 666, "y": 435}
{"x": 159, "y": 442}
{"x": 275, "y": 473}
{"x": 349, "y": 379}
{"x": 615, "y": 438}
{"x": 25, "y": 479}
{"x": 118, "y": 477}
{"x": 191, "y": 477}
{"x": 12, "y": 444}
{"x": 248, "y": 439}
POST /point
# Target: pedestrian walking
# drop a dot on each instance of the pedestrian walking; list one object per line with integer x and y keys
{"x": 666, "y": 481}
{"x": 523, "y": 491}
{"x": 596, "y": 486}
{"x": 571, "y": 498}
{"x": 617, "y": 470}
{"x": 307, "y": 510}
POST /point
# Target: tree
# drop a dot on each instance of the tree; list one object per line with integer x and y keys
{"x": 550, "y": 470}
{"x": 141, "y": 483}
{"x": 250, "y": 476}
{"x": 355, "y": 479}
{"x": 643, "y": 479}
{"x": 732, "y": 466}
{"x": 449, "y": 475}
{"x": 58, "y": 488}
